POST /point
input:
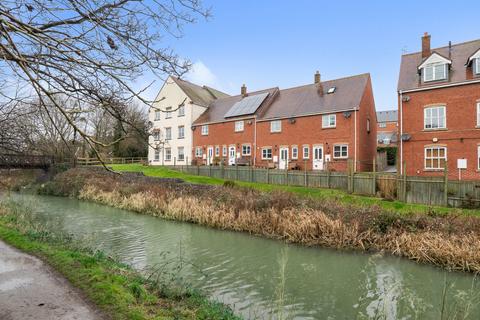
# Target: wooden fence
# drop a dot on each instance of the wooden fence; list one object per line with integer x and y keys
{"x": 437, "y": 191}
{"x": 95, "y": 161}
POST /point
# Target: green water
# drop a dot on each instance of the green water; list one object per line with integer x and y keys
{"x": 266, "y": 279}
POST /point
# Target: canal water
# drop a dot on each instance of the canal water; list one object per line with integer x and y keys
{"x": 261, "y": 278}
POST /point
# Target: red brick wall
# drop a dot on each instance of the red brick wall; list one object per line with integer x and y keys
{"x": 366, "y": 141}
{"x": 220, "y": 134}
{"x": 461, "y": 136}
{"x": 391, "y": 127}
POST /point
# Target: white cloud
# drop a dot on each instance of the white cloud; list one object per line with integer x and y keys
{"x": 200, "y": 74}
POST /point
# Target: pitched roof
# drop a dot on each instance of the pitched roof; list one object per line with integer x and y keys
{"x": 410, "y": 79}
{"x": 294, "y": 102}
{"x": 201, "y": 96}
{"x": 218, "y": 109}
{"x": 387, "y": 116}
{"x": 306, "y": 100}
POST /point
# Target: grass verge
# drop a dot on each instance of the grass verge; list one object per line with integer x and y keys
{"x": 119, "y": 291}
{"x": 316, "y": 193}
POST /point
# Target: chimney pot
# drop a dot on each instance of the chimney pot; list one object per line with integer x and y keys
{"x": 317, "y": 77}
{"x": 243, "y": 90}
{"x": 425, "y": 45}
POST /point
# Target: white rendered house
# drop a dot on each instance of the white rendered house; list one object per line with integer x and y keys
{"x": 178, "y": 104}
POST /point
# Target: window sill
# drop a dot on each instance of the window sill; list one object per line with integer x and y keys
{"x": 433, "y": 170}
{"x": 181, "y": 138}
{"x": 238, "y": 131}
{"x": 434, "y": 130}
{"x": 343, "y": 158}
{"x": 275, "y": 132}
{"x": 329, "y": 127}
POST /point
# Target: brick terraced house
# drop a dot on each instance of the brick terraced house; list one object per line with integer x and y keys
{"x": 439, "y": 110}
{"x": 319, "y": 125}
{"x": 387, "y": 126}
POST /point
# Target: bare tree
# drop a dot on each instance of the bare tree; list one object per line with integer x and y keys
{"x": 88, "y": 50}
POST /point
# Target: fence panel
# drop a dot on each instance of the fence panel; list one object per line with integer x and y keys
{"x": 362, "y": 183}
{"x": 296, "y": 178}
{"x": 425, "y": 190}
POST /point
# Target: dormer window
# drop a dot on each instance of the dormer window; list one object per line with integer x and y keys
{"x": 477, "y": 66}
{"x": 435, "y": 71}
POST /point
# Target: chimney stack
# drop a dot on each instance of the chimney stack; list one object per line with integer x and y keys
{"x": 243, "y": 90}
{"x": 425, "y": 45}
{"x": 317, "y": 77}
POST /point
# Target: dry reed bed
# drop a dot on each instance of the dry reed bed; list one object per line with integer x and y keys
{"x": 451, "y": 242}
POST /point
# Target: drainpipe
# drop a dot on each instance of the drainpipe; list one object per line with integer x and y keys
{"x": 355, "y": 144}
{"x": 401, "y": 132}
{"x": 255, "y": 141}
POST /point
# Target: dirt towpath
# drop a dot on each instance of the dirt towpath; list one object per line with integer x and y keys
{"x": 31, "y": 290}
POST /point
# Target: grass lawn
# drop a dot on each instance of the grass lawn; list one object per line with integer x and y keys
{"x": 319, "y": 193}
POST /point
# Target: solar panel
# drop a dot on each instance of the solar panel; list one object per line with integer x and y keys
{"x": 247, "y": 105}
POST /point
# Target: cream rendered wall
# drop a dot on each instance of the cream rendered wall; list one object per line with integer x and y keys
{"x": 171, "y": 95}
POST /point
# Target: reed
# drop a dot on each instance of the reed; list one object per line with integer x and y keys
{"x": 451, "y": 242}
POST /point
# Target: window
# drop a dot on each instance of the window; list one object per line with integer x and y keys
{"x": 156, "y": 136}
{"x": 329, "y": 121}
{"x": 246, "y": 150}
{"x": 157, "y": 115}
{"x": 294, "y": 152}
{"x": 168, "y": 113}
{"x": 382, "y": 125}
{"x": 157, "y": 154}
{"x": 435, "y": 157}
{"x": 168, "y": 133}
{"x": 181, "y": 110}
{"x": 368, "y": 125}
{"x": 478, "y": 157}
{"x": 239, "y": 126}
{"x": 434, "y": 117}
{"x": 477, "y": 66}
{"x": 181, "y": 153}
{"x": 224, "y": 151}
{"x": 340, "y": 151}
{"x": 306, "y": 152}
{"x": 198, "y": 152}
{"x": 217, "y": 151}
{"x": 267, "y": 153}
{"x": 181, "y": 132}
{"x": 478, "y": 114}
{"x": 168, "y": 154}
{"x": 331, "y": 90}
{"x": 205, "y": 130}
{"x": 276, "y": 126}
{"x": 435, "y": 71}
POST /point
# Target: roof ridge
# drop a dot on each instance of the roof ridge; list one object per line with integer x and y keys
{"x": 444, "y": 47}
{"x": 331, "y": 80}
{"x": 249, "y": 93}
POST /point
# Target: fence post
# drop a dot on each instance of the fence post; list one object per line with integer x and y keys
{"x": 236, "y": 171}
{"x": 222, "y": 170}
{"x": 198, "y": 170}
{"x": 268, "y": 175}
{"x": 349, "y": 173}
{"x": 174, "y": 163}
{"x": 251, "y": 173}
{"x": 374, "y": 178}
{"x": 404, "y": 184}
{"x": 305, "y": 182}
{"x": 445, "y": 185}
{"x": 210, "y": 170}
{"x": 328, "y": 177}
{"x": 286, "y": 174}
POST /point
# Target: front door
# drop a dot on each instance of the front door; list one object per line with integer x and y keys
{"x": 283, "y": 161}
{"x": 231, "y": 155}
{"x": 318, "y": 158}
{"x": 210, "y": 156}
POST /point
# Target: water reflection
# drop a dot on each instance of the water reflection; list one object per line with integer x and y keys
{"x": 263, "y": 278}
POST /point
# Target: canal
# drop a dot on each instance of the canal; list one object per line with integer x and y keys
{"x": 261, "y": 278}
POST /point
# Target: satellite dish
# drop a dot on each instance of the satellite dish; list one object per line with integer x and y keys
{"x": 347, "y": 114}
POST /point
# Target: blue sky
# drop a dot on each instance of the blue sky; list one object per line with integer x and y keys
{"x": 282, "y": 43}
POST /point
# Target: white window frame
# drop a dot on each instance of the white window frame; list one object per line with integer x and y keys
{"x": 275, "y": 126}
{"x": 435, "y": 72}
{"x": 341, "y": 146}
{"x": 224, "y": 151}
{"x": 217, "y": 151}
{"x": 382, "y": 125}
{"x": 244, "y": 146}
{"x": 239, "y": 126}
{"x": 478, "y": 114}
{"x": 181, "y": 111}
{"x": 168, "y": 154}
{"x": 168, "y": 133}
{"x": 205, "y": 130}
{"x": 430, "y": 121}
{"x": 295, "y": 152}
{"x": 306, "y": 155}
{"x": 478, "y": 157}
{"x": 327, "y": 120}
{"x": 156, "y": 136}
{"x": 182, "y": 154}
{"x": 181, "y": 129}
{"x": 477, "y": 66}
{"x": 439, "y": 167}
{"x": 157, "y": 115}
{"x": 168, "y": 113}
{"x": 198, "y": 152}
{"x": 156, "y": 155}
{"x": 264, "y": 150}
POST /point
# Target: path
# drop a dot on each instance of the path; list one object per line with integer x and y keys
{"x": 30, "y": 290}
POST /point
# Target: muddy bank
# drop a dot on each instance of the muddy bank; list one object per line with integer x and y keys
{"x": 31, "y": 290}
